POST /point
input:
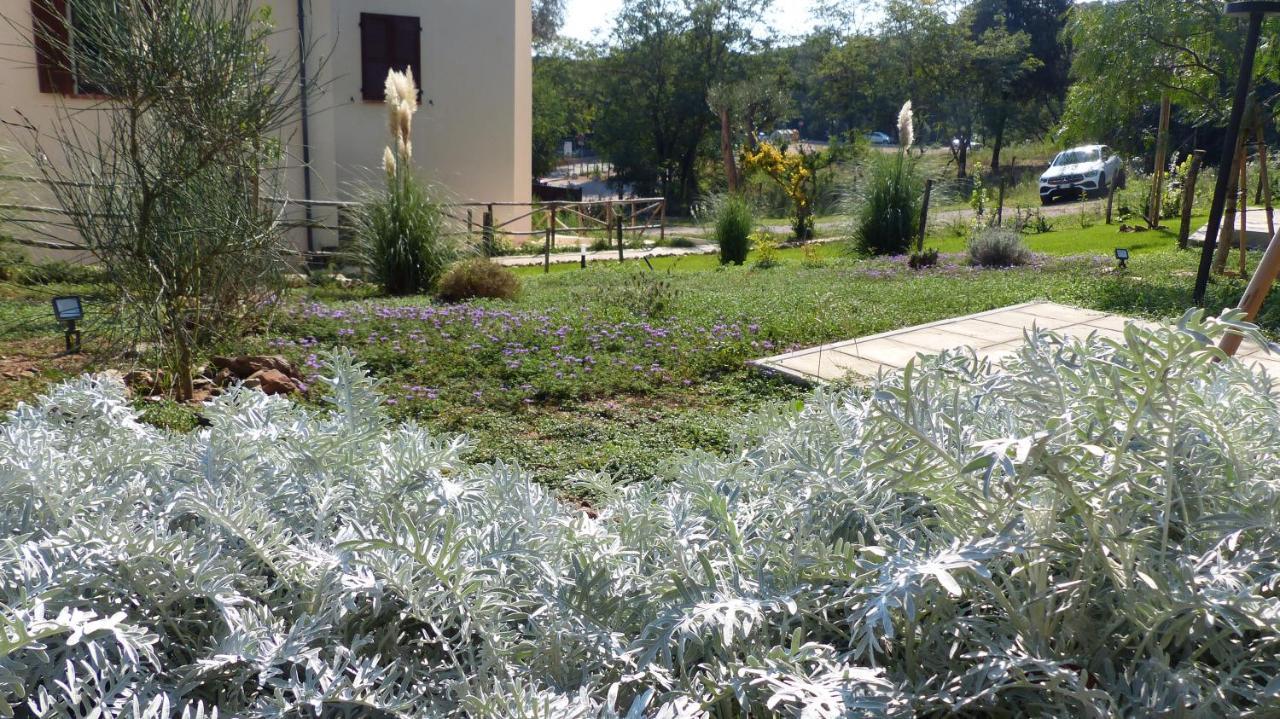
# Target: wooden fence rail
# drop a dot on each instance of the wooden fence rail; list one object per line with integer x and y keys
{"x": 515, "y": 224}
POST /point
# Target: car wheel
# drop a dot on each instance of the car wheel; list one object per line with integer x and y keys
{"x": 1046, "y": 201}
{"x": 1103, "y": 190}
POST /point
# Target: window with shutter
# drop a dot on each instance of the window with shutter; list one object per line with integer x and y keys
{"x": 388, "y": 42}
{"x": 52, "y": 42}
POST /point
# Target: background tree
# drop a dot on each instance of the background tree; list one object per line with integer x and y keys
{"x": 548, "y": 18}
{"x": 1031, "y": 101}
{"x": 166, "y": 190}
{"x": 564, "y": 99}
{"x": 1128, "y": 53}
{"x": 667, "y": 55}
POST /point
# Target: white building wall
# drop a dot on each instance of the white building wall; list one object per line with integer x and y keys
{"x": 472, "y": 135}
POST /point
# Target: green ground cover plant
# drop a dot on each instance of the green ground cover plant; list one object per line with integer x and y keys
{"x": 1083, "y": 533}
{"x": 520, "y": 395}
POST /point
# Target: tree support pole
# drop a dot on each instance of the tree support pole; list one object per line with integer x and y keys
{"x": 1228, "y": 152}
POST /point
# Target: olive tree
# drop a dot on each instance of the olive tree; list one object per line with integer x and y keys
{"x": 166, "y": 179}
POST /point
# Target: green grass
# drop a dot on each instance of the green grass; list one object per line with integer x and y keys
{"x": 516, "y": 377}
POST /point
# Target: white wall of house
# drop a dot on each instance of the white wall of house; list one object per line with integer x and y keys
{"x": 472, "y": 133}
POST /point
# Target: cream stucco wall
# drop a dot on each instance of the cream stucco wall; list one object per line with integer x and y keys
{"x": 472, "y": 134}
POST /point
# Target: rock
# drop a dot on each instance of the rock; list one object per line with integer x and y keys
{"x": 224, "y": 378}
{"x": 202, "y": 384}
{"x": 271, "y": 381}
{"x": 140, "y": 379}
{"x": 247, "y": 366}
{"x": 343, "y": 281}
{"x": 296, "y": 280}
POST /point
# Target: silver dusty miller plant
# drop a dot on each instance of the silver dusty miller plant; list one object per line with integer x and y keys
{"x": 1091, "y": 531}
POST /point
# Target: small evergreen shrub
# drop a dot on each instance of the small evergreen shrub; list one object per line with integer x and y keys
{"x": 997, "y": 247}
{"x": 734, "y": 221}
{"x": 478, "y": 278}
{"x": 887, "y": 215}
{"x": 922, "y": 260}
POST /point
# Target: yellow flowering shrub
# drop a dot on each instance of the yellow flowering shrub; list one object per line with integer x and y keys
{"x": 795, "y": 173}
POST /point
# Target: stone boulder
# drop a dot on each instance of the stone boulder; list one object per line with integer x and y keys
{"x": 271, "y": 381}
{"x": 245, "y": 367}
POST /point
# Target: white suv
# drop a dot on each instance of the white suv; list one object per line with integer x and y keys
{"x": 1082, "y": 171}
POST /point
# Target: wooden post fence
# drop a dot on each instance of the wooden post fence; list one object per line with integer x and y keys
{"x": 1189, "y": 198}
{"x": 621, "y": 255}
{"x": 487, "y": 237}
{"x": 1111, "y": 200}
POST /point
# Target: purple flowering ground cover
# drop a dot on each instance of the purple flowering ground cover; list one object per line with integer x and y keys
{"x": 580, "y": 374}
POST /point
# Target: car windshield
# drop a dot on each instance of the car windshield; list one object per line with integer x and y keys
{"x": 1075, "y": 157}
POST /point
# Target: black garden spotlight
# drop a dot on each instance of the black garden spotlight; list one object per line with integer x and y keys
{"x": 69, "y": 310}
{"x": 1122, "y": 254}
{"x": 1256, "y": 11}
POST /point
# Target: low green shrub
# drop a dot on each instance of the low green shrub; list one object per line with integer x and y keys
{"x": 766, "y": 247}
{"x": 478, "y": 278}
{"x": 997, "y": 247}
{"x": 682, "y": 242}
{"x": 734, "y": 220}
{"x": 922, "y": 260}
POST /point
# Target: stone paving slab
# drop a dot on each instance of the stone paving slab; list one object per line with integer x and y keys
{"x": 993, "y": 335}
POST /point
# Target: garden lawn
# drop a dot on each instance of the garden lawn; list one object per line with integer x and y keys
{"x": 615, "y": 368}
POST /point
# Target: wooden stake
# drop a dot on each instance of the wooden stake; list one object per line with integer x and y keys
{"x": 1162, "y": 147}
{"x": 1264, "y": 178}
{"x": 1004, "y": 181}
{"x": 924, "y": 215}
{"x": 1228, "y": 223}
{"x": 1111, "y": 200}
{"x": 621, "y": 256}
{"x": 1256, "y": 293}
{"x": 1244, "y": 214}
{"x": 1189, "y": 198}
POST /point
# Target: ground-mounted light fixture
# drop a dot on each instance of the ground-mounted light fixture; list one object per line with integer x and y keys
{"x": 582, "y": 254}
{"x": 1122, "y": 254}
{"x": 1256, "y": 11}
{"x": 69, "y": 310}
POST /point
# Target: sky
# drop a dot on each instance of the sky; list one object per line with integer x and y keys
{"x": 591, "y": 20}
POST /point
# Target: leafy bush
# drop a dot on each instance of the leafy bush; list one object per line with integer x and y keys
{"x": 766, "y": 246}
{"x": 1084, "y": 533}
{"x": 647, "y": 295}
{"x": 478, "y": 278}
{"x": 887, "y": 216}
{"x": 61, "y": 272}
{"x": 922, "y": 260}
{"x": 734, "y": 221}
{"x": 997, "y": 247}
{"x": 13, "y": 261}
{"x": 683, "y": 242}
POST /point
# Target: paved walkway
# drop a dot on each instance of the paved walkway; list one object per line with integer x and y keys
{"x": 993, "y": 335}
{"x": 563, "y": 258}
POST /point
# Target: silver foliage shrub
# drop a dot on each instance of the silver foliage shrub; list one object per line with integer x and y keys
{"x": 1091, "y": 532}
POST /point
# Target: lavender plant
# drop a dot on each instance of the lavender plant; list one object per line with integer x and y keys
{"x": 1089, "y": 531}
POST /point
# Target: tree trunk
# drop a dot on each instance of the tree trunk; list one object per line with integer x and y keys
{"x": 998, "y": 146}
{"x": 726, "y": 151}
{"x": 962, "y": 159}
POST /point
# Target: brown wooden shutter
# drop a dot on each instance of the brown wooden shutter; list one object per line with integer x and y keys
{"x": 52, "y": 40}
{"x": 375, "y": 55}
{"x": 388, "y": 42}
{"x": 406, "y": 46}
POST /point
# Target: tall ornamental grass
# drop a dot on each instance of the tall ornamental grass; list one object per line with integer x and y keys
{"x": 887, "y": 211}
{"x": 1093, "y": 531}
{"x": 734, "y": 221}
{"x": 404, "y": 236}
